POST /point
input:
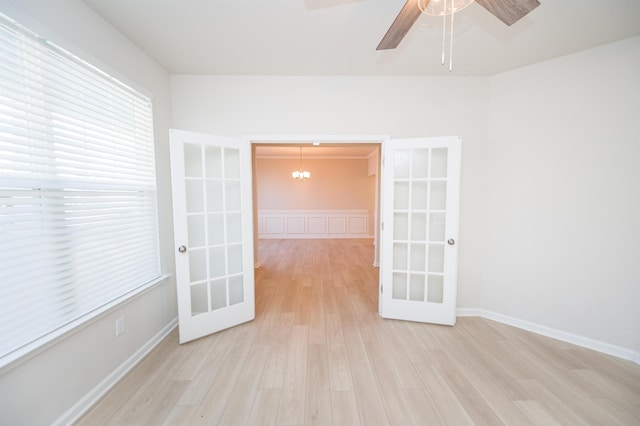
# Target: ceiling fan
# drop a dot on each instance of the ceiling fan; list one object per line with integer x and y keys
{"x": 508, "y": 11}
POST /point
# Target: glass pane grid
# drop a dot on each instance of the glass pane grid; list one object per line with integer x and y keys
{"x": 419, "y": 225}
{"x": 218, "y": 231}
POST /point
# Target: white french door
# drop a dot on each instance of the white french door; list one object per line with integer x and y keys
{"x": 213, "y": 232}
{"x": 421, "y": 184}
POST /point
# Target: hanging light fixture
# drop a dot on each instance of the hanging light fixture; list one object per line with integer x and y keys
{"x": 444, "y": 8}
{"x": 301, "y": 174}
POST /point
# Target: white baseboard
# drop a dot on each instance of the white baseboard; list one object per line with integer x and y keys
{"x": 564, "y": 336}
{"x": 80, "y": 407}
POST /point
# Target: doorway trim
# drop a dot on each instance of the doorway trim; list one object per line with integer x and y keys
{"x": 334, "y": 139}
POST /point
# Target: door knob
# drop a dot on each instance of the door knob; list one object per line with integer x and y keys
{"x": 451, "y": 241}
{"x": 182, "y": 249}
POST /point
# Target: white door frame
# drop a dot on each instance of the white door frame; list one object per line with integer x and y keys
{"x": 297, "y": 139}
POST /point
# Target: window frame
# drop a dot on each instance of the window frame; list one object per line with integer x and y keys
{"x": 65, "y": 330}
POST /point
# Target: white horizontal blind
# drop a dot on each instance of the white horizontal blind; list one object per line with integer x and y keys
{"x": 78, "y": 215}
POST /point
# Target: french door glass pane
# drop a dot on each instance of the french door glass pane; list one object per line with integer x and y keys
{"x": 436, "y": 257}
{"x": 234, "y": 228}
{"x": 400, "y": 226}
{"x": 232, "y": 163}
{"x": 213, "y": 161}
{"x": 401, "y": 164}
{"x": 236, "y": 290}
{"x": 215, "y": 197}
{"x": 438, "y": 195}
{"x": 195, "y": 229}
{"x": 199, "y": 299}
{"x": 401, "y": 196}
{"x": 417, "y": 287}
{"x": 234, "y": 259}
{"x": 418, "y": 227}
{"x": 420, "y": 185}
{"x": 215, "y": 236}
{"x": 195, "y": 203}
{"x": 420, "y": 163}
{"x": 418, "y": 257}
{"x": 217, "y": 262}
{"x": 232, "y": 195}
{"x": 215, "y": 229}
{"x": 419, "y": 195}
{"x": 399, "y": 283}
{"x": 192, "y": 160}
{"x": 435, "y": 289}
{"x": 218, "y": 294}
{"x": 439, "y": 162}
{"x": 197, "y": 265}
{"x": 436, "y": 226}
{"x": 400, "y": 255}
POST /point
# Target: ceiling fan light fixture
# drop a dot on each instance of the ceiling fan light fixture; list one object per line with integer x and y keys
{"x": 442, "y": 7}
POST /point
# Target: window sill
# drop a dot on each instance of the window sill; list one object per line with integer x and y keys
{"x": 27, "y": 352}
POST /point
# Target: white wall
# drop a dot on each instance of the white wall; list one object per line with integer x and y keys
{"x": 398, "y": 106}
{"x": 44, "y": 387}
{"x": 549, "y": 200}
{"x": 562, "y": 230}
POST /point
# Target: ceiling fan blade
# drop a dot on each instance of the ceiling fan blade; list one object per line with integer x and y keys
{"x": 401, "y": 25}
{"x": 509, "y": 11}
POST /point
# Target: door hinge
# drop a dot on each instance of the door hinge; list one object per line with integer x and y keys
{"x": 381, "y": 289}
{"x": 382, "y": 225}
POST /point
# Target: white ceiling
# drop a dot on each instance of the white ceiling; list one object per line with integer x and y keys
{"x": 339, "y": 37}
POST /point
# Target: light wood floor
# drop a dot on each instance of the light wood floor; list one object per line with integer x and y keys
{"x": 318, "y": 353}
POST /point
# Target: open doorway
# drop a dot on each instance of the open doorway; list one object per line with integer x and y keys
{"x": 340, "y": 200}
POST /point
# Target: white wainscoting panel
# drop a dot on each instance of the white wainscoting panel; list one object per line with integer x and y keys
{"x": 358, "y": 224}
{"x": 337, "y": 224}
{"x": 295, "y": 224}
{"x": 274, "y": 225}
{"x": 299, "y": 224}
{"x": 316, "y": 225}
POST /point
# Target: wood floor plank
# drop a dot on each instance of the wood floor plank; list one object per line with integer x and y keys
{"x": 448, "y": 405}
{"x": 537, "y": 413}
{"x": 472, "y": 401}
{"x": 344, "y": 409}
{"x": 265, "y": 408}
{"x": 368, "y": 397}
{"x": 180, "y": 415}
{"x": 292, "y": 397}
{"x": 339, "y": 368}
{"x": 221, "y": 344}
{"x": 238, "y": 410}
{"x": 396, "y": 405}
{"x": 318, "y": 391}
{"x": 317, "y": 324}
{"x": 273, "y": 375}
{"x": 333, "y": 327}
{"x": 423, "y": 407}
{"x": 404, "y": 368}
{"x": 318, "y": 353}
{"x": 215, "y": 401}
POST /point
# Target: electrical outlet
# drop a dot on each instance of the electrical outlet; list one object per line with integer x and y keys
{"x": 120, "y": 327}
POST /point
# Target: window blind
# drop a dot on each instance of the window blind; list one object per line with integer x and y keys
{"x": 78, "y": 212}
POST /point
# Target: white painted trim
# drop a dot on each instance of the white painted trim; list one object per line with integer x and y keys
{"x": 564, "y": 336}
{"x": 84, "y": 404}
{"x": 313, "y": 224}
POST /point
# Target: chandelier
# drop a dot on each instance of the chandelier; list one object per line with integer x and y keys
{"x": 301, "y": 174}
{"x": 444, "y": 8}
